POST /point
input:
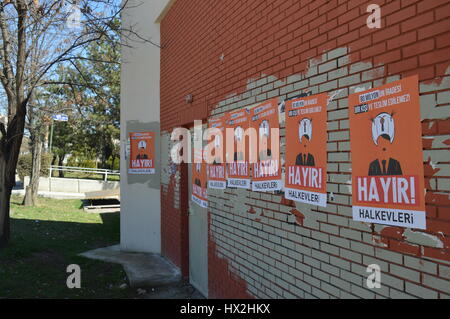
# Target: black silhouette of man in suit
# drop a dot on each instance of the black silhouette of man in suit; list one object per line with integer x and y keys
{"x": 142, "y": 156}
{"x": 305, "y": 160}
{"x": 393, "y": 167}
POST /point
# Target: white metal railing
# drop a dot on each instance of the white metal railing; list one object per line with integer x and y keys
{"x": 98, "y": 171}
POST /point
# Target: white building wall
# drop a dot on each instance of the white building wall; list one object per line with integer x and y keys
{"x": 140, "y": 223}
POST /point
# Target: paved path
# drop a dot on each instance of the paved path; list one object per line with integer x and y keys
{"x": 155, "y": 277}
{"x": 143, "y": 269}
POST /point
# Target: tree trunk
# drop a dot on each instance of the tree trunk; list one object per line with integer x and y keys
{"x": 61, "y": 163}
{"x": 11, "y": 139}
{"x": 5, "y": 195}
{"x": 53, "y": 163}
{"x": 31, "y": 192}
{"x": 113, "y": 162}
{"x": 10, "y": 143}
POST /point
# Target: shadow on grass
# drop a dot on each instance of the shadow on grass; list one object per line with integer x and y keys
{"x": 34, "y": 264}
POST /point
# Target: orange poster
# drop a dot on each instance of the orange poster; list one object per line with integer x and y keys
{"x": 199, "y": 180}
{"x": 238, "y": 166}
{"x": 142, "y": 153}
{"x": 306, "y": 150}
{"x": 387, "y": 161}
{"x": 217, "y": 170}
{"x": 266, "y": 173}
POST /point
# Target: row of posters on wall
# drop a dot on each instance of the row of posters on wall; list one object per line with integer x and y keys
{"x": 386, "y": 154}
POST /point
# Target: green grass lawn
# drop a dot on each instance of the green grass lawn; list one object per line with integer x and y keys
{"x": 48, "y": 238}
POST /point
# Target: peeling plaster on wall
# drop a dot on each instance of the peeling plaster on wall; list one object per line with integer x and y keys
{"x": 429, "y": 108}
{"x": 240, "y": 197}
{"x": 310, "y": 220}
{"x": 166, "y": 145}
{"x": 303, "y": 214}
{"x": 406, "y": 234}
{"x": 442, "y": 141}
{"x": 423, "y": 239}
{"x": 376, "y": 240}
{"x": 240, "y": 200}
{"x": 436, "y": 157}
{"x": 316, "y": 61}
{"x": 433, "y": 165}
{"x": 170, "y": 171}
{"x": 291, "y": 219}
{"x": 443, "y": 83}
{"x": 436, "y": 108}
{"x": 357, "y": 89}
{"x": 349, "y": 187}
{"x": 333, "y": 96}
{"x": 255, "y": 214}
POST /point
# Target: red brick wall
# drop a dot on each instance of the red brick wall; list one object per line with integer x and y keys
{"x": 282, "y": 48}
{"x": 174, "y": 222}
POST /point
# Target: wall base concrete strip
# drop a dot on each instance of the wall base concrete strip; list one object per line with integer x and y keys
{"x": 53, "y": 195}
{"x": 142, "y": 269}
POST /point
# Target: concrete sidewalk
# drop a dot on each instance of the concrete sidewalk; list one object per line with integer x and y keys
{"x": 142, "y": 269}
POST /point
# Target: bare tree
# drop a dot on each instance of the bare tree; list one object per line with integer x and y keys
{"x": 37, "y": 124}
{"x": 39, "y": 35}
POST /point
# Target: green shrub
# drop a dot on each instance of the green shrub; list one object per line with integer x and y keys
{"x": 24, "y": 165}
{"x": 81, "y": 161}
{"x": 72, "y": 161}
{"x": 87, "y": 163}
{"x": 115, "y": 166}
